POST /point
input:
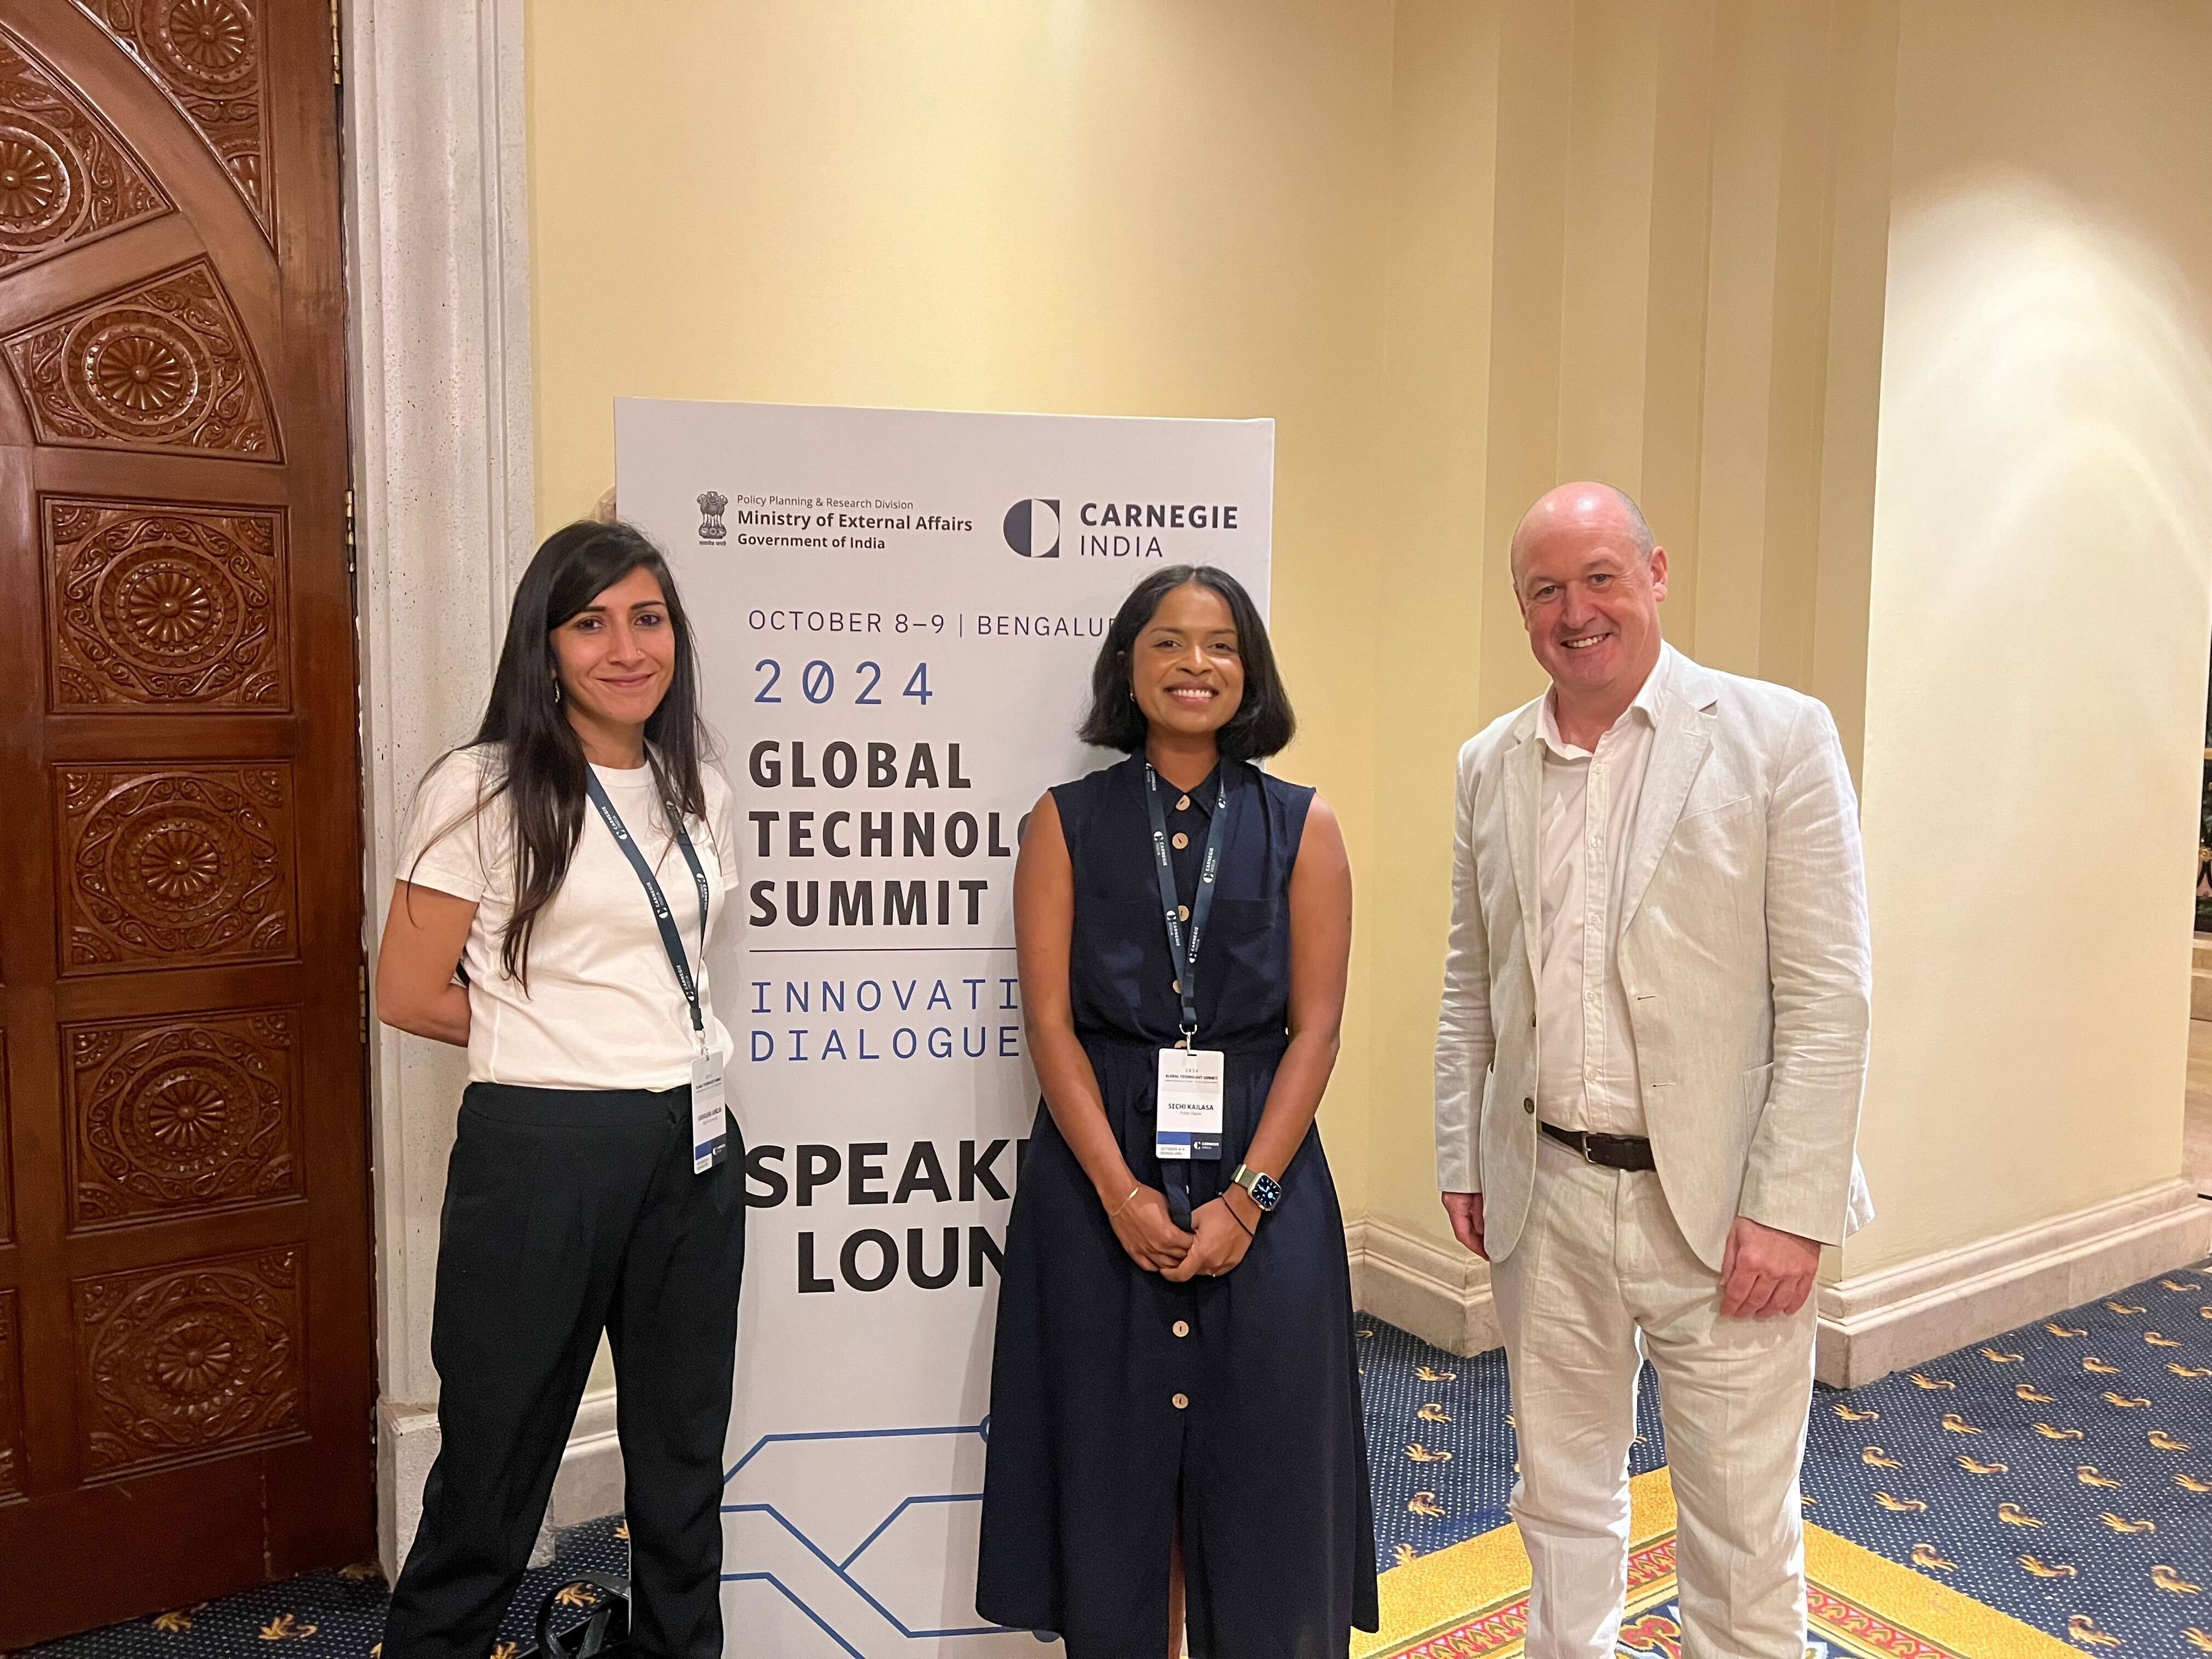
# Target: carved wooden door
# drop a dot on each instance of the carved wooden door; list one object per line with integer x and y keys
{"x": 184, "y": 1363}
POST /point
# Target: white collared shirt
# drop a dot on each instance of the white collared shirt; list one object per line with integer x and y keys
{"x": 1586, "y": 1076}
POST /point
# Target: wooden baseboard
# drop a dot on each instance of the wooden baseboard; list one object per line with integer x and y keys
{"x": 1876, "y": 1323}
{"x": 1438, "y": 1292}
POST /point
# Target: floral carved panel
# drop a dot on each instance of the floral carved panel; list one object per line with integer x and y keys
{"x": 11, "y": 1398}
{"x": 175, "y": 865}
{"x": 180, "y": 1114}
{"x": 163, "y": 365}
{"x": 65, "y": 177}
{"x": 177, "y": 1362}
{"x": 206, "y": 55}
{"x": 162, "y": 607}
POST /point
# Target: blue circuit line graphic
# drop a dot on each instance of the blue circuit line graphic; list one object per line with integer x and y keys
{"x": 797, "y": 1602}
{"x": 841, "y": 1570}
{"x": 768, "y": 1440}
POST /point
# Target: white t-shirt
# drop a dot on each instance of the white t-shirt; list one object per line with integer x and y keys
{"x": 602, "y": 1009}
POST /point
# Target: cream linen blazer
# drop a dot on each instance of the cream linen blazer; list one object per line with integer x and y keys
{"x": 1743, "y": 952}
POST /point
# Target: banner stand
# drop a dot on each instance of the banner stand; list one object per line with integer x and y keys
{"x": 896, "y": 614}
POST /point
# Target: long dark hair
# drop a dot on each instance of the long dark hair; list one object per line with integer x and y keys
{"x": 1263, "y": 723}
{"x": 539, "y": 761}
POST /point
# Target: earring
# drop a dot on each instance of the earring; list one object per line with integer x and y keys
{"x": 556, "y": 690}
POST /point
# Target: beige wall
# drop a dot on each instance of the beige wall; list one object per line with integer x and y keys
{"x": 1143, "y": 208}
{"x": 2040, "y": 602}
{"x": 1460, "y": 249}
{"x": 1636, "y": 239}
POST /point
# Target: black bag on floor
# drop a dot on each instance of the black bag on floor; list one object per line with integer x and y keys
{"x": 603, "y": 1635}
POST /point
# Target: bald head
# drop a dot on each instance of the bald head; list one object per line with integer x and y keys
{"x": 1585, "y": 510}
{"x": 1589, "y": 582}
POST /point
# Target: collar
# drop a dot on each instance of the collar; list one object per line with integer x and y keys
{"x": 1200, "y": 797}
{"x": 1645, "y": 703}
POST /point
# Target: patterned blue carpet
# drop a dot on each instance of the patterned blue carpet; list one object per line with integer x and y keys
{"x": 2062, "y": 1472}
{"x": 334, "y": 1615}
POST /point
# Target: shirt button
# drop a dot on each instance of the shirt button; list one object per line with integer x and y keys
{"x": 1183, "y": 1402}
{"x": 1183, "y": 913}
{"x": 1530, "y": 1107}
{"x": 1181, "y": 1327}
{"x": 1183, "y": 805}
{"x": 1181, "y": 840}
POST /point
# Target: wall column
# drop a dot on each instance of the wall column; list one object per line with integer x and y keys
{"x": 437, "y": 242}
{"x": 2040, "y": 599}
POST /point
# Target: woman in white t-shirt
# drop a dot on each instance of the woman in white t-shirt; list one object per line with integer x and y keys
{"x": 561, "y": 880}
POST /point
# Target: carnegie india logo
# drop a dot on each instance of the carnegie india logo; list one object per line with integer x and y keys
{"x": 712, "y": 530}
{"x": 1033, "y": 528}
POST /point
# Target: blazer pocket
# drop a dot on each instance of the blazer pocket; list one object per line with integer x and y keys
{"x": 1752, "y": 1090}
{"x": 1718, "y": 810}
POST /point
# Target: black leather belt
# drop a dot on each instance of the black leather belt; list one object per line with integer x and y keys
{"x": 1611, "y": 1152}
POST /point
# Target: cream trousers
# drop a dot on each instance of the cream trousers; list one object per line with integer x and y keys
{"x": 1601, "y": 1279}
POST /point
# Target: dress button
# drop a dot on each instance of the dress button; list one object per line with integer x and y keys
{"x": 1183, "y": 805}
{"x": 1183, "y": 1402}
{"x": 1181, "y": 840}
{"x": 1183, "y": 913}
{"x": 1530, "y": 1107}
{"x": 1181, "y": 1327}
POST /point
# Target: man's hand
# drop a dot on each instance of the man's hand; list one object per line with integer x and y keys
{"x": 1465, "y": 1210}
{"x": 1766, "y": 1273}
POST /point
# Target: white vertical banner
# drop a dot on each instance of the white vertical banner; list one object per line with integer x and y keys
{"x": 897, "y": 612}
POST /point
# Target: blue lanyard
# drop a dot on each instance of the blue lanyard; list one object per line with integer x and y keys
{"x": 1185, "y": 955}
{"x": 670, "y": 939}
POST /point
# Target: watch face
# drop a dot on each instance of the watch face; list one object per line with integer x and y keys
{"x": 1267, "y": 1191}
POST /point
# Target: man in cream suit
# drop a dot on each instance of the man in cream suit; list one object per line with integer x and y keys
{"x": 1648, "y": 1066}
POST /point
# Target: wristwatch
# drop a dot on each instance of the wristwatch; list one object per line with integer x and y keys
{"x": 1265, "y": 1191}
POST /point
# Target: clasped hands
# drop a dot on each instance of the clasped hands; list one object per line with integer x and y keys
{"x": 1216, "y": 1243}
{"x": 1764, "y": 1273}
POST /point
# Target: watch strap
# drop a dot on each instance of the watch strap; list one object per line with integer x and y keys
{"x": 1251, "y": 1180}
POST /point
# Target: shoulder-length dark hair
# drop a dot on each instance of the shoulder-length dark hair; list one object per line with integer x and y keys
{"x": 537, "y": 761}
{"x": 1263, "y": 723}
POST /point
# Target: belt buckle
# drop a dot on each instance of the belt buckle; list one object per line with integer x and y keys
{"x": 1589, "y": 1149}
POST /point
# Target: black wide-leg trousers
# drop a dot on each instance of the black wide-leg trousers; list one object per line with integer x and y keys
{"x": 568, "y": 1213}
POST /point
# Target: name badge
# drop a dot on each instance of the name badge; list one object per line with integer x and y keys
{"x": 710, "y": 1122}
{"x": 1189, "y": 1124}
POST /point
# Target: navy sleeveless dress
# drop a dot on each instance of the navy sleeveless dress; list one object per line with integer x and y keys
{"x": 1116, "y": 1394}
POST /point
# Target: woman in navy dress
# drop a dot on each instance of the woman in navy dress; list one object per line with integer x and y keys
{"x": 1175, "y": 1397}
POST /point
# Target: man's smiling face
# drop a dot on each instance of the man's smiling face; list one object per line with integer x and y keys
{"x": 1588, "y": 596}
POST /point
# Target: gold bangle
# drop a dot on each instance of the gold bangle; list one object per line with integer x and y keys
{"x": 1115, "y": 1211}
